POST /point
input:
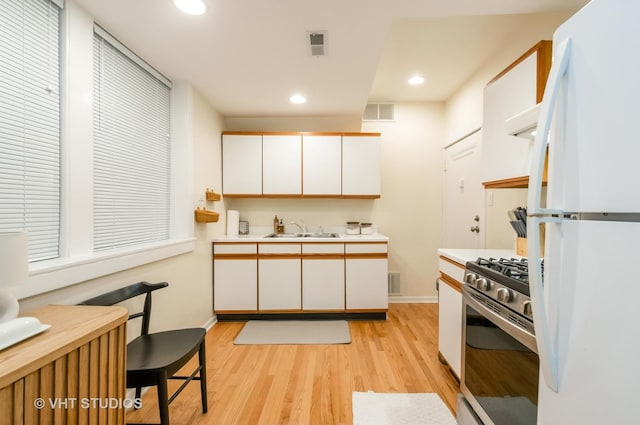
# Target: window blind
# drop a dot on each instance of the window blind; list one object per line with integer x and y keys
{"x": 30, "y": 123}
{"x": 131, "y": 149}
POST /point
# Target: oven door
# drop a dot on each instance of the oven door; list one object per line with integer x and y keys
{"x": 500, "y": 365}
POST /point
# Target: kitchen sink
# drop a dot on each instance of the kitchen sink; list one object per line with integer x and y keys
{"x": 303, "y": 235}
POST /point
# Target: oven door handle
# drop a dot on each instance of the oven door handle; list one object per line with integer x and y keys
{"x": 522, "y": 336}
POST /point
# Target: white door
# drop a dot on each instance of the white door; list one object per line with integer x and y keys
{"x": 463, "y": 198}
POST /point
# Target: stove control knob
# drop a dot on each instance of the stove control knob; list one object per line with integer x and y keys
{"x": 470, "y": 277}
{"x": 483, "y": 284}
{"x": 504, "y": 295}
{"x": 527, "y": 309}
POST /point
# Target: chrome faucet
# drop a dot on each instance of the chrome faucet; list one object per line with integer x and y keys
{"x": 303, "y": 227}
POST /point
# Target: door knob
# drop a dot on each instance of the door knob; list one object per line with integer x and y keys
{"x": 475, "y": 229}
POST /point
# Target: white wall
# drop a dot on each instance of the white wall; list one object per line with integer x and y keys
{"x": 463, "y": 114}
{"x": 463, "y": 110}
{"x": 409, "y": 211}
{"x": 411, "y": 180}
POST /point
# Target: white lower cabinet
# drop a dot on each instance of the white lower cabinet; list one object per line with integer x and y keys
{"x": 323, "y": 276}
{"x": 235, "y": 268}
{"x": 298, "y": 276}
{"x": 450, "y": 313}
{"x": 279, "y": 277}
{"x": 366, "y": 276}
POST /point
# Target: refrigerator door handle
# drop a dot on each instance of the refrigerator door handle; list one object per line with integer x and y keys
{"x": 558, "y": 69}
{"x": 547, "y": 352}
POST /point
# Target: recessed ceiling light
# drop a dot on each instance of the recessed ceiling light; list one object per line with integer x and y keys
{"x": 192, "y": 7}
{"x": 416, "y": 80}
{"x": 298, "y": 98}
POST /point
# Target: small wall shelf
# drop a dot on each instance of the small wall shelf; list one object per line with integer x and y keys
{"x": 203, "y": 215}
{"x": 206, "y": 216}
{"x": 212, "y": 196}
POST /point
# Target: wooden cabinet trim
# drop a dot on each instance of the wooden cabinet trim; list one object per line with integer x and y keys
{"x": 296, "y": 196}
{"x": 360, "y": 197}
{"x": 301, "y": 133}
{"x": 354, "y": 134}
{"x": 321, "y": 256}
{"x": 235, "y": 256}
{"x": 367, "y": 256}
{"x": 450, "y": 281}
{"x": 449, "y": 260}
{"x": 279, "y": 256}
{"x": 242, "y": 133}
{"x": 542, "y": 49}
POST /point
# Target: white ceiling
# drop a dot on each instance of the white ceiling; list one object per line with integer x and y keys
{"x": 248, "y": 56}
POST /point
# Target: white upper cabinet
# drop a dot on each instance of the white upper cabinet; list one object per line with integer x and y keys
{"x": 361, "y": 165}
{"x": 321, "y": 165}
{"x": 506, "y": 158}
{"x": 294, "y": 165}
{"x": 281, "y": 165}
{"x": 242, "y": 164}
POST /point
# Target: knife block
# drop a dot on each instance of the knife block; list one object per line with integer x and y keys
{"x": 521, "y": 244}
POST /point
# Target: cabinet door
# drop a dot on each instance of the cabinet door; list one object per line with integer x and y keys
{"x": 323, "y": 277}
{"x": 241, "y": 164}
{"x": 279, "y": 277}
{"x": 450, "y": 325}
{"x": 366, "y": 269}
{"x": 281, "y": 165}
{"x": 506, "y": 156}
{"x": 235, "y": 277}
{"x": 361, "y": 166}
{"x": 321, "y": 165}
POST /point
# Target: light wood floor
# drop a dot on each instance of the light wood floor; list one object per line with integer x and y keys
{"x": 312, "y": 384}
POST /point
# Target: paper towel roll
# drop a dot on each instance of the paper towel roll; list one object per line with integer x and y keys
{"x": 233, "y": 222}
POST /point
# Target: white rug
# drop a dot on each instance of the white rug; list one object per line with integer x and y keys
{"x": 400, "y": 409}
{"x": 264, "y": 332}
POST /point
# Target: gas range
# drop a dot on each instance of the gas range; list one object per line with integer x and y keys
{"x": 503, "y": 280}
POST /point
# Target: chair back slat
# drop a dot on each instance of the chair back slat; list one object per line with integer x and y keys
{"x": 131, "y": 291}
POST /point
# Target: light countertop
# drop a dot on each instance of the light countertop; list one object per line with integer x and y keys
{"x": 461, "y": 256}
{"x": 377, "y": 237}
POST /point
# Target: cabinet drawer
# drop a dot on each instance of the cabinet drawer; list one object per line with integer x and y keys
{"x": 235, "y": 248}
{"x": 279, "y": 248}
{"x": 451, "y": 269}
{"x": 365, "y": 248}
{"x": 323, "y": 248}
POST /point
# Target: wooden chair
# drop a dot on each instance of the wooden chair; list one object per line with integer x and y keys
{"x": 153, "y": 358}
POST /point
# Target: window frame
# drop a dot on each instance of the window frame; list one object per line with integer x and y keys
{"x": 77, "y": 262}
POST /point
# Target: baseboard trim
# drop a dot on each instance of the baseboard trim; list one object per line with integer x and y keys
{"x": 209, "y": 323}
{"x": 412, "y": 299}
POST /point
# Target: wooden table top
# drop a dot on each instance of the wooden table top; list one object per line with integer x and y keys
{"x": 71, "y": 327}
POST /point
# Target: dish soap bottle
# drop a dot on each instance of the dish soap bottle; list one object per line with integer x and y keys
{"x": 275, "y": 224}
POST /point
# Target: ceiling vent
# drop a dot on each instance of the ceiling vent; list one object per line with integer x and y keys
{"x": 379, "y": 112}
{"x": 318, "y": 42}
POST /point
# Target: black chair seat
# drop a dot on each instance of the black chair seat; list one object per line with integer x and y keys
{"x": 161, "y": 351}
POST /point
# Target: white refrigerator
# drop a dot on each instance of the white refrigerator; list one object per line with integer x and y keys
{"x": 585, "y": 302}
